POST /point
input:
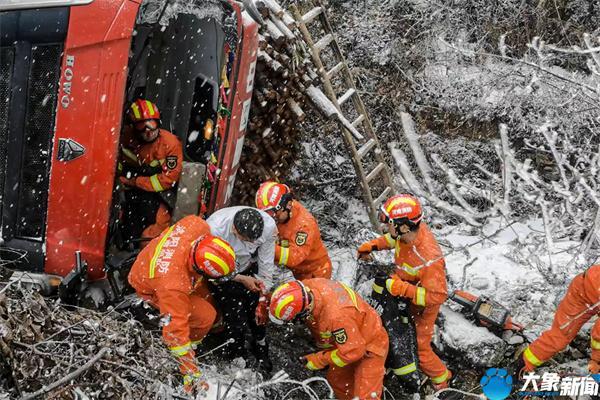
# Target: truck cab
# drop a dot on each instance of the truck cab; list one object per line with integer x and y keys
{"x": 68, "y": 72}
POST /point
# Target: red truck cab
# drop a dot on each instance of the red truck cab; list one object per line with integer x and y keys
{"x": 68, "y": 71}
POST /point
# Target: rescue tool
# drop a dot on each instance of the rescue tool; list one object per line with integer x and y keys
{"x": 486, "y": 312}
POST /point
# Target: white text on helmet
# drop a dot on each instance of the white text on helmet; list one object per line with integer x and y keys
{"x": 404, "y": 210}
{"x": 287, "y": 313}
{"x": 213, "y": 272}
{"x": 274, "y": 194}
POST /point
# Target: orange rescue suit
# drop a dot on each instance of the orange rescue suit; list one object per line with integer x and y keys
{"x": 581, "y": 303}
{"x": 163, "y": 275}
{"x": 421, "y": 264}
{"x": 300, "y": 247}
{"x": 356, "y": 359}
{"x": 165, "y": 152}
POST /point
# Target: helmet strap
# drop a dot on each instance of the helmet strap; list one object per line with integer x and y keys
{"x": 193, "y": 257}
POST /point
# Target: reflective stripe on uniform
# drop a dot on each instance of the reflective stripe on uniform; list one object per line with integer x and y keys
{"x": 156, "y": 183}
{"x": 337, "y": 360}
{"x": 529, "y": 356}
{"x": 409, "y": 269}
{"x": 420, "y": 296}
{"x": 181, "y": 350}
{"x": 442, "y": 378}
{"x": 325, "y": 335}
{"x": 287, "y": 300}
{"x": 189, "y": 378}
{"x": 377, "y": 288}
{"x": 389, "y": 239}
{"x": 284, "y": 255}
{"x": 310, "y": 365}
{"x": 155, "y": 163}
{"x": 129, "y": 154}
{"x": 595, "y": 344}
{"x": 389, "y": 283}
{"x": 351, "y": 294}
{"x": 219, "y": 261}
{"x": 407, "y": 369}
{"x": 157, "y": 251}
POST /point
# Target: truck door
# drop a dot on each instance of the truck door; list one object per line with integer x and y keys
{"x": 31, "y": 45}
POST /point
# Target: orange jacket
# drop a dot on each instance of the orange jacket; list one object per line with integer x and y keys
{"x": 163, "y": 275}
{"x": 300, "y": 247}
{"x": 166, "y": 151}
{"x": 354, "y": 327}
{"x": 591, "y": 284}
{"x": 420, "y": 263}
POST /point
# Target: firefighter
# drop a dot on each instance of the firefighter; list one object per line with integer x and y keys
{"x": 420, "y": 276}
{"x": 356, "y": 359}
{"x": 581, "y": 303}
{"x": 150, "y": 166}
{"x": 243, "y": 301}
{"x": 171, "y": 274}
{"x": 299, "y": 246}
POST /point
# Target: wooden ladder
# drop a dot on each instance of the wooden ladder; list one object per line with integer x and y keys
{"x": 359, "y": 136}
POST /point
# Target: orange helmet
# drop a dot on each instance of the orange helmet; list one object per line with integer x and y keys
{"x": 289, "y": 301}
{"x": 212, "y": 257}
{"x": 272, "y": 196}
{"x": 402, "y": 209}
{"x": 142, "y": 110}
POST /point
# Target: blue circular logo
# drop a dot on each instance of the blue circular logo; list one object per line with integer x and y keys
{"x": 496, "y": 384}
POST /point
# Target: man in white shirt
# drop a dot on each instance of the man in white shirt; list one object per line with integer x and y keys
{"x": 252, "y": 234}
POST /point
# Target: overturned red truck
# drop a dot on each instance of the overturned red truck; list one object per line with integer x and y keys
{"x": 68, "y": 71}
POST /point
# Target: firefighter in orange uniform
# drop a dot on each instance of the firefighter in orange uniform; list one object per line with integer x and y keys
{"x": 150, "y": 166}
{"x": 420, "y": 276}
{"x": 581, "y": 303}
{"x": 299, "y": 247}
{"x": 356, "y": 359}
{"x": 171, "y": 273}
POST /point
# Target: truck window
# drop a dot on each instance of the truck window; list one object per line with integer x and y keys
{"x": 203, "y": 112}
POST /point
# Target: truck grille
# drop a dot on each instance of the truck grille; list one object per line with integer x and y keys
{"x": 40, "y": 114}
{"x": 6, "y": 68}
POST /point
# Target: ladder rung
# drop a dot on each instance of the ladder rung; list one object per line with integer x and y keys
{"x": 346, "y": 96}
{"x": 312, "y": 14}
{"x": 375, "y": 172}
{"x": 382, "y": 196}
{"x": 358, "y": 120}
{"x": 335, "y": 69}
{"x": 324, "y": 42}
{"x": 365, "y": 148}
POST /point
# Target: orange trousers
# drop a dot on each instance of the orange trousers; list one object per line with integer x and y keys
{"x": 429, "y": 362}
{"x": 361, "y": 380}
{"x": 202, "y": 315}
{"x": 572, "y": 312}
{"x": 322, "y": 272}
{"x": 163, "y": 219}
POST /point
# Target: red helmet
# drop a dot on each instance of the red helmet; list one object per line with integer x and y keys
{"x": 402, "y": 209}
{"x": 288, "y": 301}
{"x": 212, "y": 257}
{"x": 142, "y": 110}
{"x": 272, "y": 196}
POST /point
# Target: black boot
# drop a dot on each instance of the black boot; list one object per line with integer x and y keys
{"x": 260, "y": 350}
